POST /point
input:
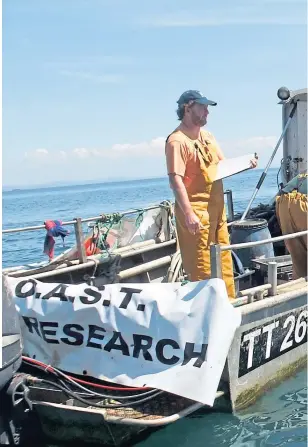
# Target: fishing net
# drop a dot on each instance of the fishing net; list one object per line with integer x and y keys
{"x": 116, "y": 231}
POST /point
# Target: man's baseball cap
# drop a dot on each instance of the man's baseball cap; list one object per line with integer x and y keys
{"x": 196, "y": 96}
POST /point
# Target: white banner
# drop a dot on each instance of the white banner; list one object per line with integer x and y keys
{"x": 167, "y": 336}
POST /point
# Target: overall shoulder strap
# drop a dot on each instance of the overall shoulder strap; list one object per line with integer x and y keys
{"x": 175, "y": 130}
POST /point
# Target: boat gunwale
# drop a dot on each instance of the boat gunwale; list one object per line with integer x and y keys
{"x": 128, "y": 421}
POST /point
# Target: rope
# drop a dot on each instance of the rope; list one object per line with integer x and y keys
{"x": 106, "y": 223}
{"x": 96, "y": 263}
{"x": 139, "y": 221}
{"x": 168, "y": 205}
{"x": 176, "y": 265}
{"x": 104, "y": 226}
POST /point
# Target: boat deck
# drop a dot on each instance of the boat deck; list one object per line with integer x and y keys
{"x": 162, "y": 406}
{"x": 159, "y": 410}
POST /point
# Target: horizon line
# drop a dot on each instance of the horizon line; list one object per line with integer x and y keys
{"x": 63, "y": 183}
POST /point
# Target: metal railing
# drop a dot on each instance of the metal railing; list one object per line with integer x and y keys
{"x": 230, "y": 208}
{"x": 216, "y": 250}
{"x": 73, "y": 222}
{"x": 77, "y": 222}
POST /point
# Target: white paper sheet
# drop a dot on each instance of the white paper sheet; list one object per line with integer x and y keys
{"x": 232, "y": 166}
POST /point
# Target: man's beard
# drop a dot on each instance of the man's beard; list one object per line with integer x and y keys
{"x": 199, "y": 121}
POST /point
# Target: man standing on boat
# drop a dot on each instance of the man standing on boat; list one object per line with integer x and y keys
{"x": 292, "y": 215}
{"x": 192, "y": 156}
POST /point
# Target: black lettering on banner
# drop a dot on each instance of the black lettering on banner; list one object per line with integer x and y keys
{"x": 266, "y": 342}
{"x": 45, "y": 324}
{"x": 93, "y": 293}
{"x": 31, "y": 324}
{"x": 129, "y": 293}
{"x": 117, "y": 336}
{"x": 189, "y": 354}
{"x": 59, "y": 292}
{"x": 160, "y": 351}
{"x": 18, "y": 289}
{"x": 77, "y": 337}
{"x": 139, "y": 346}
{"x": 94, "y": 334}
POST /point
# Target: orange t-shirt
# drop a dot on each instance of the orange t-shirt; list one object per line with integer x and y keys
{"x": 181, "y": 154}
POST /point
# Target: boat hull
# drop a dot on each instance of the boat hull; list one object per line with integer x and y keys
{"x": 269, "y": 346}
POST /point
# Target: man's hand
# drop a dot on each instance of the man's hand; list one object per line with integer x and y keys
{"x": 193, "y": 223}
{"x": 254, "y": 162}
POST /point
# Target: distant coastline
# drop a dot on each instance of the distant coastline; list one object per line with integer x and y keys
{"x": 16, "y": 188}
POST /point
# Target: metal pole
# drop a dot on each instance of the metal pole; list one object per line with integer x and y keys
{"x": 269, "y": 163}
{"x": 147, "y": 248}
{"x": 79, "y": 240}
{"x": 143, "y": 268}
{"x": 285, "y": 237}
{"x": 228, "y": 193}
{"x": 272, "y": 278}
{"x": 215, "y": 257}
{"x": 72, "y": 222}
{"x": 125, "y": 213}
{"x": 60, "y": 271}
{"x": 134, "y": 246}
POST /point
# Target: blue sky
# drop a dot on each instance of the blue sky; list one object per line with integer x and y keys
{"x": 90, "y": 87}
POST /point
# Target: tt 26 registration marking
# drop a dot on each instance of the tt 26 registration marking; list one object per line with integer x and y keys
{"x": 273, "y": 339}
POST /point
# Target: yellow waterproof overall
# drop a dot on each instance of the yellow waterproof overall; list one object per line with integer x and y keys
{"x": 207, "y": 201}
{"x": 292, "y": 214}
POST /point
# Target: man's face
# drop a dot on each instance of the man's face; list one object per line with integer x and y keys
{"x": 198, "y": 114}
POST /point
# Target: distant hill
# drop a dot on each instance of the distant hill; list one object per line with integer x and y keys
{"x": 9, "y": 188}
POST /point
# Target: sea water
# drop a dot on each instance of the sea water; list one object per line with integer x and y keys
{"x": 279, "y": 418}
{"x": 28, "y": 207}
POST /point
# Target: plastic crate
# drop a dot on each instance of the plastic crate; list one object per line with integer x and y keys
{"x": 284, "y": 266}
